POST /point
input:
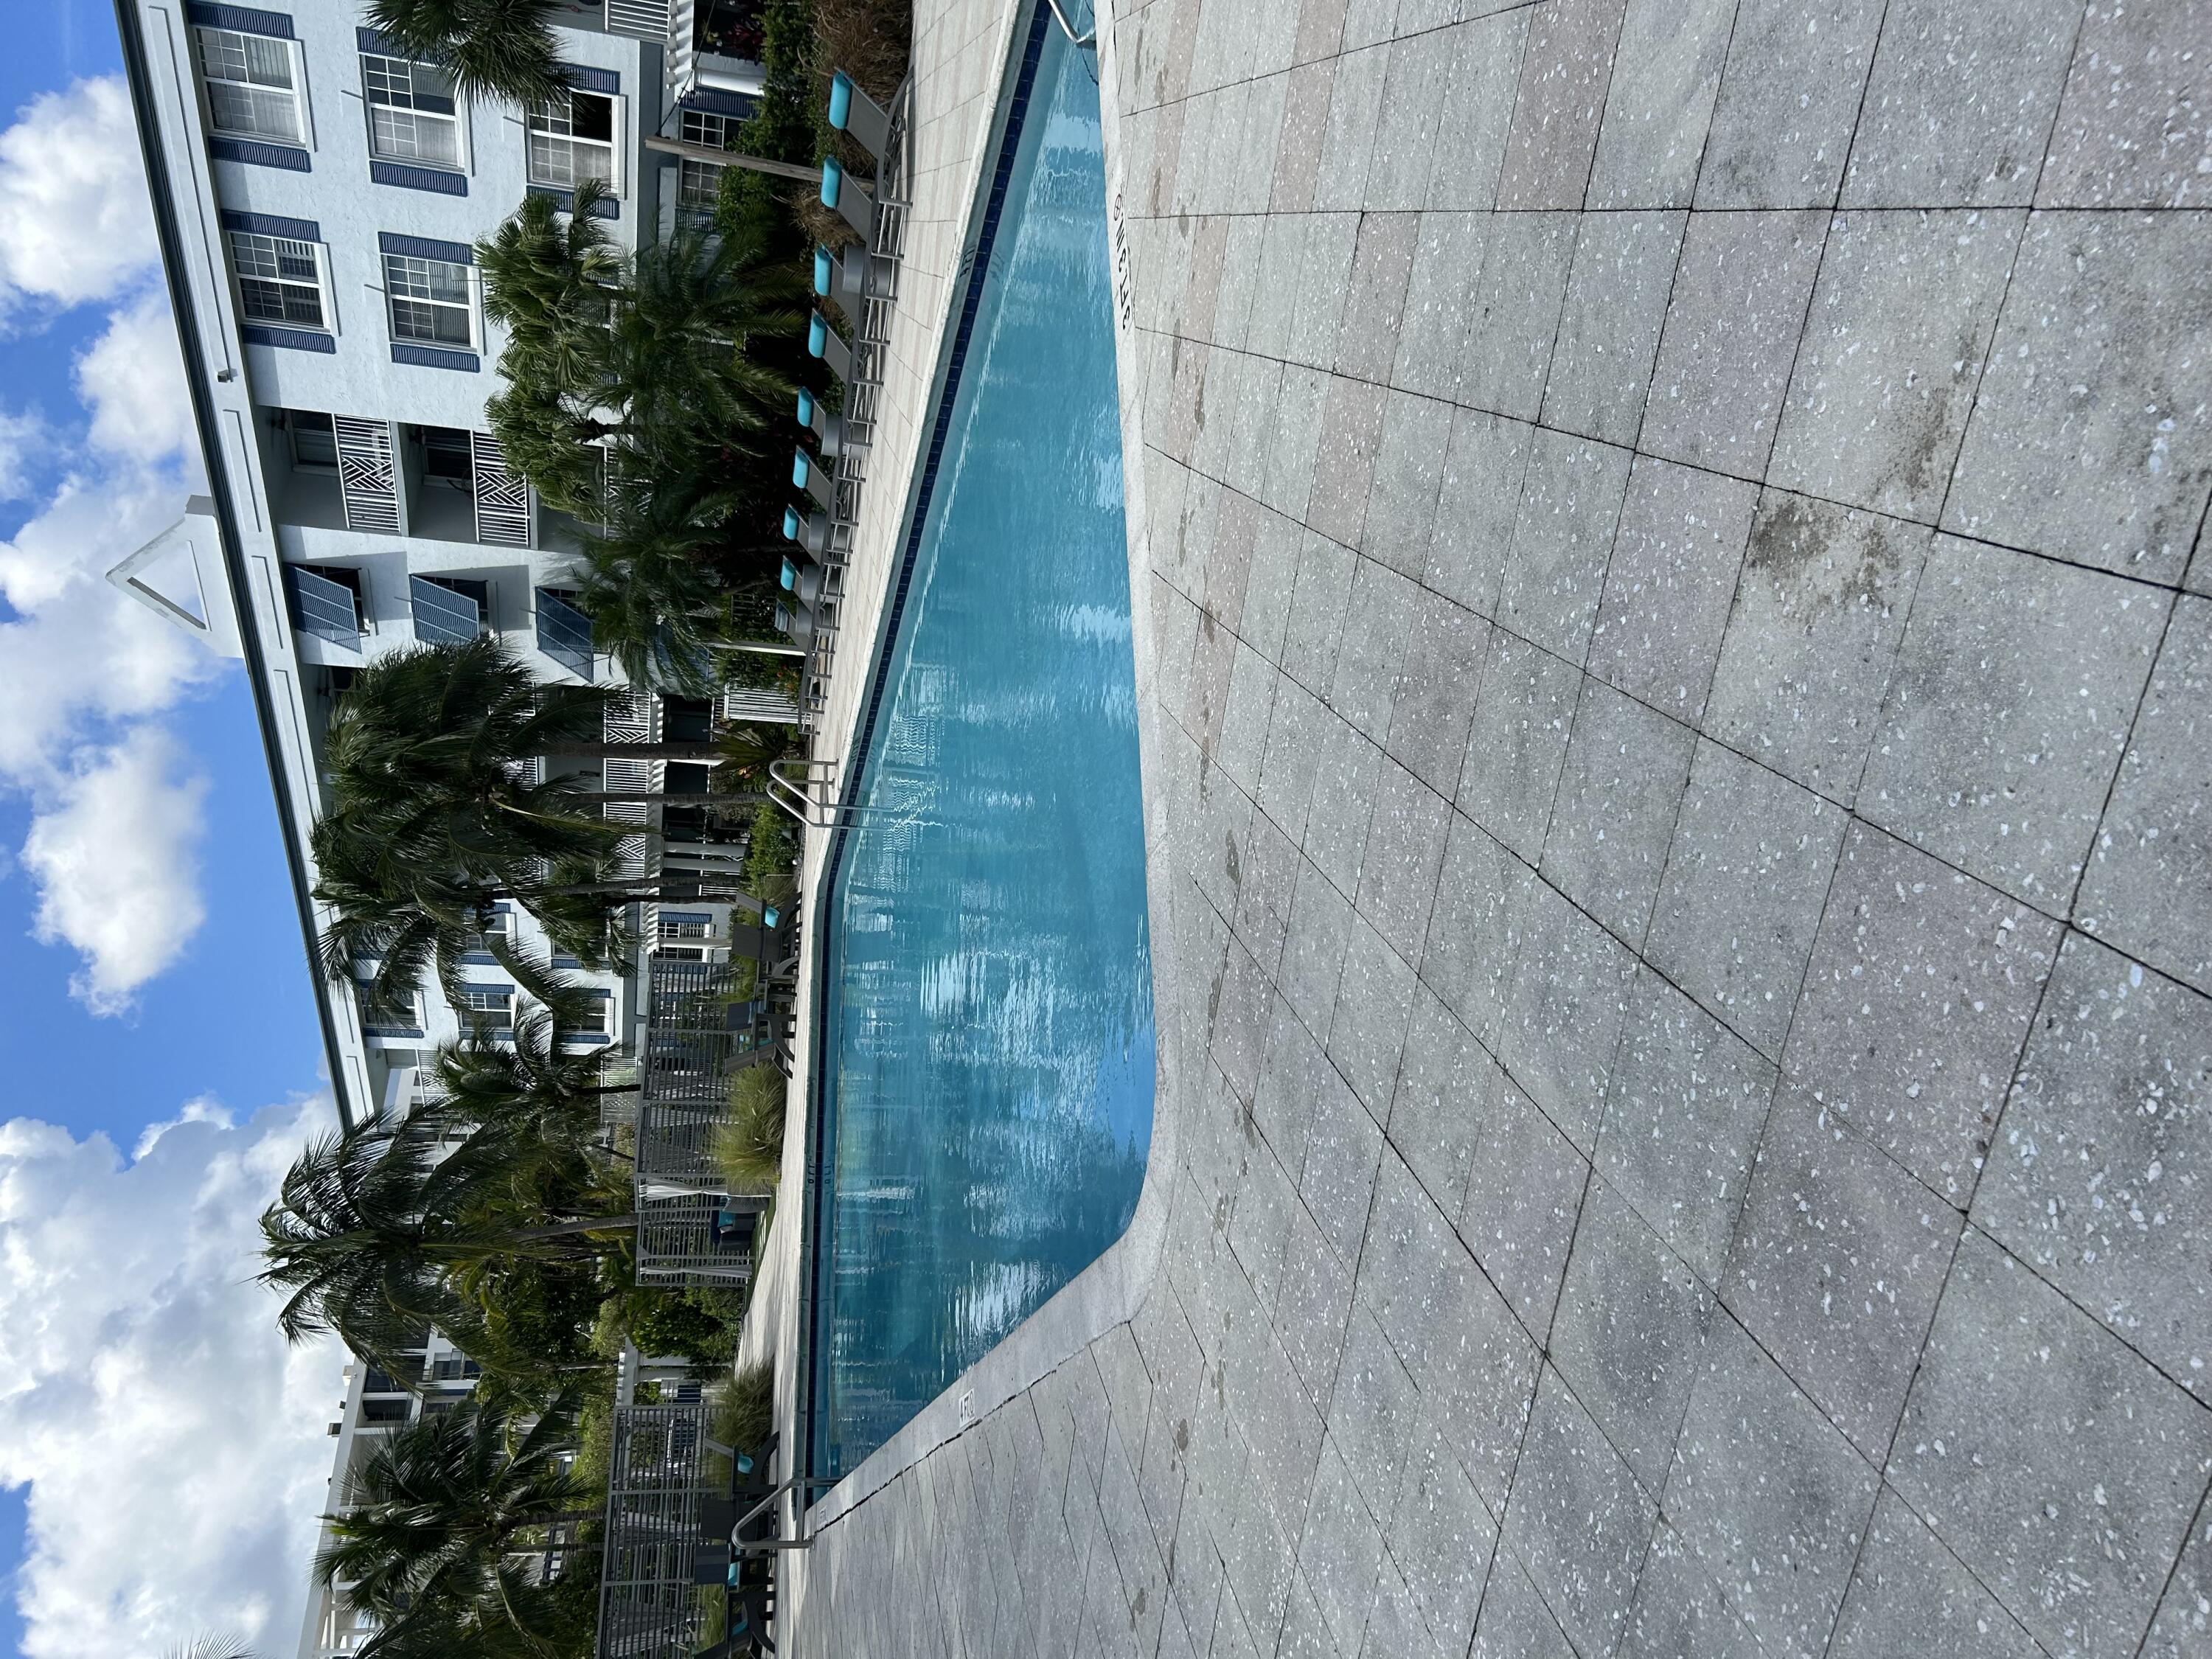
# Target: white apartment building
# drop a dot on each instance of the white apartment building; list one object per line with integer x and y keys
{"x": 318, "y": 196}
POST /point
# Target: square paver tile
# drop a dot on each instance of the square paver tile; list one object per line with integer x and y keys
{"x": 1374, "y": 1415}
{"x": 1668, "y": 590}
{"x": 2131, "y": 126}
{"x": 1631, "y": 1324}
{"x": 1767, "y": 1494}
{"x": 1382, "y": 263}
{"x": 2092, "y": 432}
{"x": 1731, "y": 335}
{"x": 1959, "y": 103}
{"x": 1916, "y": 1004}
{"x": 2007, "y": 713}
{"x": 1478, "y": 112}
{"x": 1378, "y": 627}
{"x": 1341, "y": 1551}
{"x": 1516, "y": 742}
{"x": 1442, "y": 1538}
{"x": 1746, "y": 880}
{"x": 2183, "y": 1623}
{"x": 1572, "y": 982}
{"x": 2101, "y": 1177}
{"x": 1475, "y": 509}
{"x": 1343, "y": 800}
{"x": 1404, "y": 848}
{"x": 1474, "y": 1363}
{"x": 1448, "y": 253}
{"x": 1434, "y": 707}
{"x": 1515, "y": 1624}
{"x": 1813, "y": 638}
{"x": 1344, "y": 465}
{"x": 1324, "y": 279}
{"x": 1680, "y": 1613}
{"x": 1789, "y": 99}
{"x": 1299, "y": 726}
{"x": 1343, "y": 1145}
{"x": 1347, "y": 145}
{"x": 1409, "y": 466}
{"x": 1513, "y": 312}
{"x": 2148, "y": 888}
{"x": 1571, "y": 503}
{"x": 1608, "y": 334}
{"x": 1910, "y": 1594}
{"x": 1577, "y": 1519}
{"x": 1524, "y": 1193}
{"x": 1659, "y": 102}
{"x": 1621, "y": 785}
{"x": 1446, "y": 1083}
{"x": 1682, "y": 1121}
{"x": 1320, "y": 598}
{"x": 1414, "y": 91}
{"x": 1375, "y": 999}
{"x": 1469, "y": 956}
{"x": 1836, "y": 1266}
{"x": 2060, "y": 1468}
{"x": 1313, "y": 950}
{"x": 1564, "y": 73}
{"x": 1900, "y": 323}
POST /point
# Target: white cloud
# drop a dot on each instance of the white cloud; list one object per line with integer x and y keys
{"x": 75, "y": 222}
{"x": 173, "y": 1447}
{"x": 200, "y": 1108}
{"x": 132, "y": 382}
{"x": 115, "y": 852}
{"x": 21, "y": 438}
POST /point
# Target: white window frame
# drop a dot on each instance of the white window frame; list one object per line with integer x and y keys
{"x": 327, "y": 291}
{"x": 467, "y": 1010}
{"x": 618, "y": 131}
{"x": 474, "y": 280}
{"x": 368, "y": 1023}
{"x": 465, "y": 159}
{"x": 301, "y": 107}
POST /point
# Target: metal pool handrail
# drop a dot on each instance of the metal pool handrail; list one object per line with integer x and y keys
{"x": 1068, "y": 28}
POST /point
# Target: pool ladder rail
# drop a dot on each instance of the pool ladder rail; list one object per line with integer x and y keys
{"x": 863, "y": 281}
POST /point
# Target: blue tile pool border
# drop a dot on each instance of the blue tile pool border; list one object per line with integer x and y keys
{"x": 974, "y": 268}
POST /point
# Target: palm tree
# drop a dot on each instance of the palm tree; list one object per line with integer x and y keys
{"x": 649, "y": 588}
{"x": 441, "y": 1518}
{"x": 525, "y": 1083}
{"x": 372, "y": 1222}
{"x": 500, "y": 51}
{"x": 435, "y": 815}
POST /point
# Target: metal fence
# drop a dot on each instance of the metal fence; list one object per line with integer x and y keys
{"x": 691, "y": 1230}
{"x": 649, "y": 1607}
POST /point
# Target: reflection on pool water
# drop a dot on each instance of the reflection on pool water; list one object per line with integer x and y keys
{"x": 987, "y": 1040}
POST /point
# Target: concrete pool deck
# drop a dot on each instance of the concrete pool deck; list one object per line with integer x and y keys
{"x": 1675, "y": 640}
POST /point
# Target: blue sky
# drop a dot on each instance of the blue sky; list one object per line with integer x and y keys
{"x": 163, "y": 1059}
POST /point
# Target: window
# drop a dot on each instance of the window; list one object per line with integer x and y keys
{"x": 314, "y": 440}
{"x": 699, "y": 184}
{"x": 279, "y": 280}
{"x": 402, "y": 1012}
{"x": 572, "y": 139}
{"x": 494, "y": 1004}
{"x": 684, "y": 925}
{"x": 252, "y": 85}
{"x": 433, "y": 301}
{"x": 589, "y": 1019}
{"x": 412, "y": 114}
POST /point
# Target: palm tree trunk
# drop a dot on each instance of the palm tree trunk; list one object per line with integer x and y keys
{"x": 751, "y": 797}
{"x": 676, "y": 752}
{"x": 598, "y": 1223}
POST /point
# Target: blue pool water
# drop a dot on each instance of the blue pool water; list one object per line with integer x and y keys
{"x": 987, "y": 1040}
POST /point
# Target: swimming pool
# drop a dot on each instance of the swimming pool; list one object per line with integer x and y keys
{"x": 984, "y": 1049}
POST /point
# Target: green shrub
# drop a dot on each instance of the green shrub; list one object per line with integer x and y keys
{"x": 774, "y": 848}
{"x": 747, "y": 1147}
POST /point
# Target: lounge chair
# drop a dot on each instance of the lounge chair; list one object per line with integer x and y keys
{"x": 857, "y": 116}
{"x": 811, "y": 532}
{"x": 827, "y": 428}
{"x": 810, "y": 476}
{"x": 823, "y": 342}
